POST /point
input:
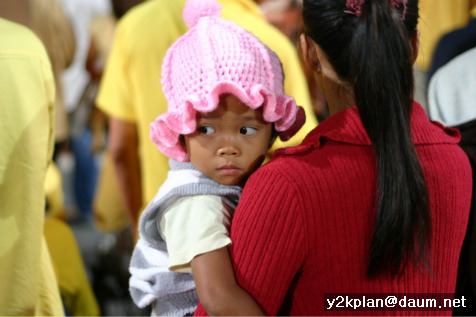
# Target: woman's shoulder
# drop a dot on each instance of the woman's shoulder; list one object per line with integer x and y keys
{"x": 280, "y": 164}
{"x": 288, "y": 170}
{"x": 274, "y": 174}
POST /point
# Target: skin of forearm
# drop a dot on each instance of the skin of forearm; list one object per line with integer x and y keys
{"x": 122, "y": 146}
{"x": 217, "y": 289}
{"x": 128, "y": 177}
{"x": 230, "y": 301}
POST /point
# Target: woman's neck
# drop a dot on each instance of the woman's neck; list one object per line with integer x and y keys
{"x": 339, "y": 97}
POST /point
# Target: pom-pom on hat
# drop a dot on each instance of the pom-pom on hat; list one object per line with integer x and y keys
{"x": 218, "y": 57}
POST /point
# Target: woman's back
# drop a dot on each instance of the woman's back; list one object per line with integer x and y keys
{"x": 376, "y": 199}
{"x": 321, "y": 202}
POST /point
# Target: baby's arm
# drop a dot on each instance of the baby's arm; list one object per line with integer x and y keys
{"x": 217, "y": 288}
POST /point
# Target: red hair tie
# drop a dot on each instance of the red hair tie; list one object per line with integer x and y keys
{"x": 355, "y": 6}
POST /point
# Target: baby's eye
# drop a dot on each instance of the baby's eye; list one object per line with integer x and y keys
{"x": 248, "y": 130}
{"x": 206, "y": 129}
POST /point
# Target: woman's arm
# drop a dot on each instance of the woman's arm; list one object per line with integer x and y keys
{"x": 123, "y": 146}
{"x": 217, "y": 289}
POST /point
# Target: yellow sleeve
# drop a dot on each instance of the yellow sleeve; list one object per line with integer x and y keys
{"x": 115, "y": 90}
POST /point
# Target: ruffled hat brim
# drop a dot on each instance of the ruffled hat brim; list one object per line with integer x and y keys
{"x": 281, "y": 110}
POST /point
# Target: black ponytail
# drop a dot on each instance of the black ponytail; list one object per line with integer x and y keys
{"x": 377, "y": 60}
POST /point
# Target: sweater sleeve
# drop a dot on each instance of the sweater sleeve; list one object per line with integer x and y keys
{"x": 268, "y": 235}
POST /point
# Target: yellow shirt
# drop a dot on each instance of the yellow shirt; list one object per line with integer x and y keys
{"x": 54, "y": 192}
{"x": 49, "y": 22}
{"x": 78, "y": 296}
{"x": 130, "y": 89}
{"x": 438, "y": 17}
{"x": 28, "y": 285}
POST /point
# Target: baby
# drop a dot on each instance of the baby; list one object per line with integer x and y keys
{"x": 226, "y": 107}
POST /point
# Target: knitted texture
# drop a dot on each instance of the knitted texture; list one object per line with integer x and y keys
{"x": 304, "y": 223}
{"x": 218, "y": 57}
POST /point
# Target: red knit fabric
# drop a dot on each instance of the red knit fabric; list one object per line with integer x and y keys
{"x": 304, "y": 223}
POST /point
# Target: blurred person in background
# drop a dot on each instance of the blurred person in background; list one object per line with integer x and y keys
{"x": 437, "y": 17}
{"x": 113, "y": 247}
{"x": 47, "y": 19}
{"x": 78, "y": 163}
{"x": 452, "y": 101}
{"x": 75, "y": 289}
{"x": 131, "y": 95}
{"x": 286, "y": 16}
{"x": 49, "y": 22}
{"x": 110, "y": 271}
{"x": 455, "y": 42}
{"x": 109, "y": 212}
{"x": 27, "y": 102}
{"x": 80, "y": 13}
{"x": 74, "y": 285}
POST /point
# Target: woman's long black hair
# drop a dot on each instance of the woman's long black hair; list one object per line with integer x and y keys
{"x": 373, "y": 52}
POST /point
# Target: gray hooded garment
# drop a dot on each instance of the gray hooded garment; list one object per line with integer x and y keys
{"x": 151, "y": 282}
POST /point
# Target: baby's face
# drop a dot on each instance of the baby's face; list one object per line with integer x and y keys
{"x": 230, "y": 142}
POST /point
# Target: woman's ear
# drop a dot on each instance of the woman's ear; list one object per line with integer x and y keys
{"x": 274, "y": 136}
{"x": 309, "y": 53}
{"x": 415, "y": 45}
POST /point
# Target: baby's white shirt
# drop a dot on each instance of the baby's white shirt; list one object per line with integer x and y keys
{"x": 195, "y": 225}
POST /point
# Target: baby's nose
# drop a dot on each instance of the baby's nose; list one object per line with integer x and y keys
{"x": 228, "y": 150}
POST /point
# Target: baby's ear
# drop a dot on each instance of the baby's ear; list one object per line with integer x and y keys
{"x": 309, "y": 53}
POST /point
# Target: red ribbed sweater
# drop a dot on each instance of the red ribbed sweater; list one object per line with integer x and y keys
{"x": 304, "y": 223}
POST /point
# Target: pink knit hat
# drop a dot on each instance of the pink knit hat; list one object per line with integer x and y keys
{"x": 218, "y": 57}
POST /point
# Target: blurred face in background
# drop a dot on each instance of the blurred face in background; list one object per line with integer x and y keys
{"x": 284, "y": 15}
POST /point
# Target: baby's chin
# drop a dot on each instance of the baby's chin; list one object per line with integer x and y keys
{"x": 229, "y": 181}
